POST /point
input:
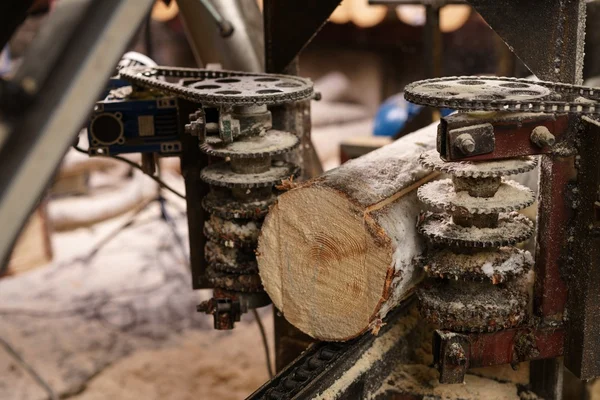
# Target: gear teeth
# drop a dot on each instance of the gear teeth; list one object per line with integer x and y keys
{"x": 238, "y": 88}
{"x": 220, "y": 174}
{"x": 495, "y": 266}
{"x": 484, "y": 169}
{"x": 232, "y": 233}
{"x": 475, "y": 93}
{"x": 245, "y": 283}
{"x": 441, "y": 196}
{"x": 231, "y": 260}
{"x": 271, "y": 143}
{"x": 229, "y": 208}
{"x": 465, "y": 307}
{"x": 512, "y": 228}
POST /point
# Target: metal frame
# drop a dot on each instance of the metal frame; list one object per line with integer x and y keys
{"x": 64, "y": 72}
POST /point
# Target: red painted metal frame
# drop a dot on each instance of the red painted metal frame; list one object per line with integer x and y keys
{"x": 512, "y": 133}
{"x": 499, "y": 348}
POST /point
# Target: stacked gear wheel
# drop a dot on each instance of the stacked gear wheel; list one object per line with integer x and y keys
{"x": 242, "y": 189}
{"x": 476, "y": 272}
{"x": 242, "y": 183}
{"x": 247, "y": 162}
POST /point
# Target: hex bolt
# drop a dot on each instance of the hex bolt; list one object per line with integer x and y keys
{"x": 542, "y": 137}
{"x": 229, "y": 128}
{"x": 465, "y": 143}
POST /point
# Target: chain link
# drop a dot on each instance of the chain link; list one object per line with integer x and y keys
{"x": 589, "y": 105}
{"x": 290, "y": 88}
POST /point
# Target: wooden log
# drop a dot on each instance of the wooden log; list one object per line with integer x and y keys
{"x": 338, "y": 252}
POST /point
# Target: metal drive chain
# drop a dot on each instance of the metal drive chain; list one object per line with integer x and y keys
{"x": 483, "y": 93}
{"x": 313, "y": 362}
{"x": 217, "y": 87}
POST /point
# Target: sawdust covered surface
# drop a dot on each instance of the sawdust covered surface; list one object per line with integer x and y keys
{"x": 378, "y": 175}
{"x": 423, "y": 380}
{"x": 201, "y": 365}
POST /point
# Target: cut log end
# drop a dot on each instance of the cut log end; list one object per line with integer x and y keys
{"x": 325, "y": 268}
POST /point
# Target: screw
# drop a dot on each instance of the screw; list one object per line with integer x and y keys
{"x": 542, "y": 137}
{"x": 465, "y": 143}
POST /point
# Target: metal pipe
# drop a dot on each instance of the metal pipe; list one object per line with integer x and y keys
{"x": 242, "y": 49}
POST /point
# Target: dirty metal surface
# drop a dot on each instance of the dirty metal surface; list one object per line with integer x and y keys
{"x": 492, "y": 168}
{"x": 507, "y": 346}
{"x": 322, "y": 364}
{"x": 483, "y": 93}
{"x": 512, "y": 134}
{"x": 192, "y": 162}
{"x": 547, "y": 35}
{"x": 289, "y": 26}
{"x": 218, "y": 87}
{"x": 582, "y": 345}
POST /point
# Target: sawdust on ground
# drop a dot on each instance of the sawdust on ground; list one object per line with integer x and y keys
{"x": 200, "y": 365}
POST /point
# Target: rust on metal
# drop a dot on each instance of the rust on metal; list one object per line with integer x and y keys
{"x": 582, "y": 344}
{"x": 507, "y": 346}
{"x": 512, "y": 135}
{"x": 550, "y": 292}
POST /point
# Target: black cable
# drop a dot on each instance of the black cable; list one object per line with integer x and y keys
{"x": 160, "y": 182}
{"x": 36, "y": 377}
{"x": 263, "y": 334}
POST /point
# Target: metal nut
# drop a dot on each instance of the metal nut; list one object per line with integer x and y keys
{"x": 465, "y": 143}
{"x": 542, "y": 137}
{"x": 229, "y": 128}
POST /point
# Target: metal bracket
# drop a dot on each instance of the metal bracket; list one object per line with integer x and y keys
{"x": 451, "y": 351}
{"x": 499, "y": 136}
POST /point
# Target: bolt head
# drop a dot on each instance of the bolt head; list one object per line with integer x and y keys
{"x": 465, "y": 143}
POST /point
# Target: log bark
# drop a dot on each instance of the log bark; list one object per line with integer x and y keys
{"x": 338, "y": 252}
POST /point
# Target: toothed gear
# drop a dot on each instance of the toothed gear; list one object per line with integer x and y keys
{"x": 232, "y": 260}
{"x": 512, "y": 228}
{"x": 496, "y": 266}
{"x": 482, "y": 169}
{"x": 271, "y": 143}
{"x": 245, "y": 283}
{"x": 475, "y": 93}
{"x": 230, "y": 208}
{"x": 441, "y": 196}
{"x": 232, "y": 233}
{"x": 218, "y": 87}
{"x": 471, "y": 307}
{"x": 220, "y": 174}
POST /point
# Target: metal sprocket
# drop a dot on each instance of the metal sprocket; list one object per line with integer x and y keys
{"x": 222, "y": 88}
{"x": 496, "y": 266}
{"x": 512, "y": 228}
{"x": 272, "y": 142}
{"x": 471, "y": 307}
{"x": 484, "y": 93}
{"x": 481, "y": 169}
{"x": 441, "y": 196}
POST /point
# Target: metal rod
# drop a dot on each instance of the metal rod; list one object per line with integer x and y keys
{"x": 65, "y": 90}
{"x": 225, "y": 27}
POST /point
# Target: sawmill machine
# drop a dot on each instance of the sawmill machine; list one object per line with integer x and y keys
{"x": 239, "y": 159}
{"x": 490, "y": 299}
{"x": 238, "y": 135}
